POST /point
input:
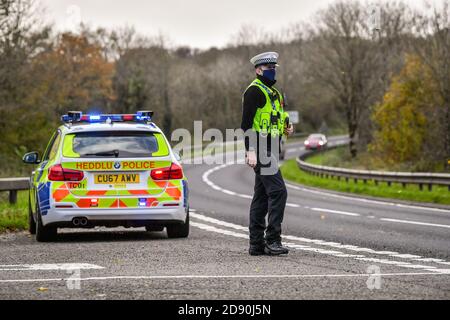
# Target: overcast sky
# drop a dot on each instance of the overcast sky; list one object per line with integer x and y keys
{"x": 197, "y": 23}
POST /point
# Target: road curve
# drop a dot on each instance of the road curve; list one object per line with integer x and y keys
{"x": 342, "y": 247}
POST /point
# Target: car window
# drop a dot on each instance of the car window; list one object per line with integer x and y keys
{"x": 52, "y": 147}
{"x": 114, "y": 144}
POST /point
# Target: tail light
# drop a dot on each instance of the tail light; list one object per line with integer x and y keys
{"x": 170, "y": 173}
{"x": 58, "y": 173}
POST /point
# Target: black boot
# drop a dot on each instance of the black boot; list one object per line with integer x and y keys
{"x": 256, "y": 250}
{"x": 275, "y": 249}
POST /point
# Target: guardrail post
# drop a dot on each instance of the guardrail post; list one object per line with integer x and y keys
{"x": 404, "y": 185}
{"x": 430, "y": 187}
{"x": 389, "y": 183}
{"x": 420, "y": 186}
{"x": 13, "y": 196}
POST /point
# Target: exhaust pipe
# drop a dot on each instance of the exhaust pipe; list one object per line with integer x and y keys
{"x": 80, "y": 222}
{"x": 76, "y": 222}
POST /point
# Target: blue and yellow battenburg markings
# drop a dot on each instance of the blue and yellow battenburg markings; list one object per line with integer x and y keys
{"x": 43, "y": 197}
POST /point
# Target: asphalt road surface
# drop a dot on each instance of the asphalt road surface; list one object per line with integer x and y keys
{"x": 342, "y": 247}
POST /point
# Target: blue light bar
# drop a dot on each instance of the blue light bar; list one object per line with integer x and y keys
{"x": 116, "y": 118}
{"x": 77, "y": 116}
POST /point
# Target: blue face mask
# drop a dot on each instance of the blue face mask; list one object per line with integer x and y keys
{"x": 270, "y": 74}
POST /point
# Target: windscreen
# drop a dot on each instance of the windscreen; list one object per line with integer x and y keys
{"x": 114, "y": 144}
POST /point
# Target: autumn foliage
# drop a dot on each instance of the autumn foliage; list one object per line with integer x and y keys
{"x": 409, "y": 126}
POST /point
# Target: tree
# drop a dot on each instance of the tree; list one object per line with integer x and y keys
{"x": 431, "y": 42}
{"x": 142, "y": 81}
{"x": 21, "y": 36}
{"x": 404, "y": 132}
{"x": 72, "y": 75}
{"x": 347, "y": 62}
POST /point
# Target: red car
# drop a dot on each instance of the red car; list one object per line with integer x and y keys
{"x": 316, "y": 141}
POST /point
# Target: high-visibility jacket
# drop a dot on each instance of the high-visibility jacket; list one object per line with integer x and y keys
{"x": 270, "y": 118}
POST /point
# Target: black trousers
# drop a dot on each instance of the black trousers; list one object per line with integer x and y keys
{"x": 269, "y": 198}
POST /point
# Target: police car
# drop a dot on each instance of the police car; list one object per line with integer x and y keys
{"x": 107, "y": 170}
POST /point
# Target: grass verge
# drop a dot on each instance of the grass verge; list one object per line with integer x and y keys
{"x": 291, "y": 172}
{"x": 14, "y": 217}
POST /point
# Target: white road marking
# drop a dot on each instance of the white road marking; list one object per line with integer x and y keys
{"x": 417, "y": 223}
{"x": 49, "y": 266}
{"x": 245, "y": 196}
{"x": 219, "y": 222}
{"x": 231, "y": 193}
{"x": 334, "y": 253}
{"x": 243, "y": 276}
{"x": 329, "y": 194}
{"x": 317, "y": 242}
{"x": 345, "y": 213}
{"x": 217, "y": 230}
{"x": 206, "y": 179}
{"x": 406, "y": 256}
{"x": 429, "y": 260}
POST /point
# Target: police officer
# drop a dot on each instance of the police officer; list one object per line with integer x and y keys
{"x": 264, "y": 117}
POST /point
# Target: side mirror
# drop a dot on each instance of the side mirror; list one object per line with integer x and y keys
{"x": 177, "y": 156}
{"x": 31, "y": 158}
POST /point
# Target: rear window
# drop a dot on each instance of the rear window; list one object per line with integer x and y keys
{"x": 114, "y": 144}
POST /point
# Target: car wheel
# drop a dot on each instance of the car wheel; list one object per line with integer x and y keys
{"x": 179, "y": 230}
{"x": 44, "y": 234}
{"x": 31, "y": 222}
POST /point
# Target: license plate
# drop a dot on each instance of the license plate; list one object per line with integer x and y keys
{"x": 116, "y": 178}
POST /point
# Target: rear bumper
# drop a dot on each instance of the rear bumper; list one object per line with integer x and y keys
{"x": 63, "y": 217}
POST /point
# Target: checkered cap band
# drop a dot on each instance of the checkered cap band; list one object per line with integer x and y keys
{"x": 265, "y": 61}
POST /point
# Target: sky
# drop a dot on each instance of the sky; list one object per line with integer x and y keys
{"x": 197, "y": 23}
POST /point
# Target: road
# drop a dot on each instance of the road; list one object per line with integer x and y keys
{"x": 342, "y": 247}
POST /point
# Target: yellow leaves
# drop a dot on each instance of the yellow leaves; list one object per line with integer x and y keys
{"x": 401, "y": 118}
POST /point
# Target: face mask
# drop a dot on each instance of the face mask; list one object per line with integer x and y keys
{"x": 269, "y": 74}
